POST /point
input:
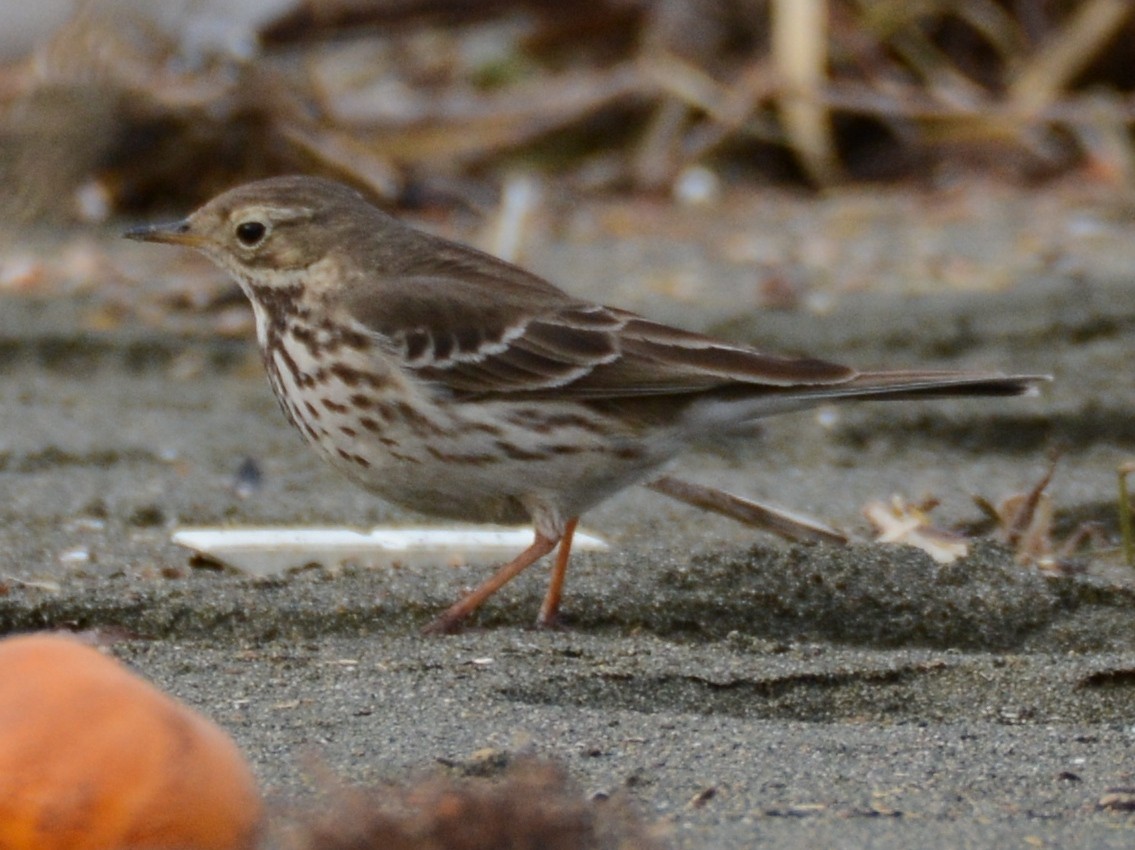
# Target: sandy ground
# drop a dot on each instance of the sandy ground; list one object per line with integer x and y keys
{"x": 741, "y": 691}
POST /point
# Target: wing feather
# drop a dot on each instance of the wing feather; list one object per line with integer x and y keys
{"x": 454, "y": 333}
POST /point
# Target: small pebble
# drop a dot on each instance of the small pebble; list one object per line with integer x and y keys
{"x": 697, "y": 186}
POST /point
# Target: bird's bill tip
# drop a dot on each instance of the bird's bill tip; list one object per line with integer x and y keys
{"x": 175, "y": 233}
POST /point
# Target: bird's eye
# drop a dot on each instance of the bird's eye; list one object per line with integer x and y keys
{"x": 250, "y": 233}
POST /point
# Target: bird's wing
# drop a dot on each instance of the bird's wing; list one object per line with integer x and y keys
{"x": 493, "y": 334}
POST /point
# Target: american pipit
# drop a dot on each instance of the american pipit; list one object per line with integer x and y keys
{"x": 459, "y": 385}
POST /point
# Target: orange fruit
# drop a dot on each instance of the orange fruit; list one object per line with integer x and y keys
{"x": 94, "y": 758}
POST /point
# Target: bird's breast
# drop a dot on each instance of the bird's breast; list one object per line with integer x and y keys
{"x": 488, "y": 460}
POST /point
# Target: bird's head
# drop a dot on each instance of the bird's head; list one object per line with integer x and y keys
{"x": 267, "y": 231}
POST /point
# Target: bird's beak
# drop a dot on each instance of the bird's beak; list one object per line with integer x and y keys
{"x": 176, "y": 233}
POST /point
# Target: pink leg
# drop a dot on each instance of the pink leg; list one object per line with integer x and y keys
{"x": 550, "y": 610}
{"x": 451, "y": 619}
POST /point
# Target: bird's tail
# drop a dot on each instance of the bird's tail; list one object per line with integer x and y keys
{"x": 886, "y": 386}
{"x": 741, "y": 406}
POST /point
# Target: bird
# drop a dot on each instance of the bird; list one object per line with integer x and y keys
{"x": 456, "y": 384}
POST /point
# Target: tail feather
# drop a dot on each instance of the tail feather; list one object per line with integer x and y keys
{"x": 739, "y": 408}
{"x": 881, "y": 386}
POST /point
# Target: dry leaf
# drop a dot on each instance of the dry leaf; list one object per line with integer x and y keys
{"x": 909, "y": 525}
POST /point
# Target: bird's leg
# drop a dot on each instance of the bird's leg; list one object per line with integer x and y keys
{"x": 550, "y": 610}
{"x": 451, "y": 619}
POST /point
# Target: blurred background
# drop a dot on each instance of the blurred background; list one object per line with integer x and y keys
{"x": 120, "y": 106}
